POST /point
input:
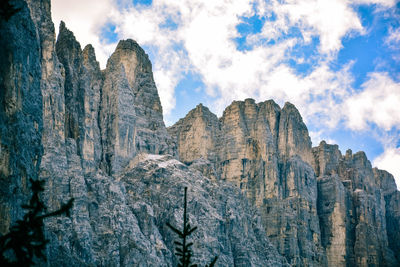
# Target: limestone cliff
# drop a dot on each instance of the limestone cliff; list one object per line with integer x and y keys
{"x": 130, "y": 112}
{"x": 357, "y": 209}
{"x": 21, "y": 122}
{"x": 265, "y": 151}
{"x": 318, "y": 207}
{"x": 86, "y": 132}
{"x": 260, "y": 194}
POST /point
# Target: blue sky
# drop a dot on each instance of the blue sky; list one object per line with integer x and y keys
{"x": 338, "y": 61}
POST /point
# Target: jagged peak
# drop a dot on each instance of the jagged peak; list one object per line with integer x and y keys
{"x": 66, "y": 35}
{"x": 62, "y": 25}
{"x": 132, "y": 45}
{"x": 324, "y": 144}
{"x": 289, "y": 108}
{"x": 132, "y": 57}
{"x": 67, "y": 46}
{"x": 272, "y": 103}
{"x": 128, "y": 44}
{"x": 89, "y": 50}
{"x": 239, "y": 104}
{"x": 89, "y": 57}
{"x": 199, "y": 110}
{"x": 289, "y": 105}
{"x": 200, "y": 106}
{"x": 249, "y": 101}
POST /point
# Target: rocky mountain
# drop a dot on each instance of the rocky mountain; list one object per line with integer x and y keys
{"x": 318, "y": 207}
{"x": 266, "y": 152}
{"x": 259, "y": 193}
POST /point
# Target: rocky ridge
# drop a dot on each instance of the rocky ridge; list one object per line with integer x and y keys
{"x": 266, "y": 152}
{"x": 88, "y": 134}
{"x": 257, "y": 190}
{"x": 318, "y": 207}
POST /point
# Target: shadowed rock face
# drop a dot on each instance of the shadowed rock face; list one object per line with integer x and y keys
{"x": 21, "y": 123}
{"x": 256, "y": 187}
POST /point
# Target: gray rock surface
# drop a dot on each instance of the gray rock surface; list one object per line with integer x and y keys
{"x": 266, "y": 152}
{"x": 257, "y": 190}
{"x": 65, "y": 121}
{"x": 21, "y": 123}
{"x": 318, "y": 207}
{"x": 228, "y": 225}
{"x": 131, "y": 114}
{"x": 83, "y": 81}
{"x": 354, "y": 206}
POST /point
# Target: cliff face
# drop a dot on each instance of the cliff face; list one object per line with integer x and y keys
{"x": 21, "y": 122}
{"x": 318, "y": 207}
{"x": 131, "y": 113}
{"x": 266, "y": 152}
{"x": 357, "y": 209}
{"x": 88, "y": 133}
{"x": 257, "y": 189}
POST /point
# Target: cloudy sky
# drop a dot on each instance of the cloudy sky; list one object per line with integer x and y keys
{"x": 338, "y": 61}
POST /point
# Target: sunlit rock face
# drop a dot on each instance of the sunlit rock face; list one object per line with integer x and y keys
{"x": 131, "y": 113}
{"x": 355, "y": 209}
{"x": 318, "y": 207}
{"x": 259, "y": 193}
{"x": 266, "y": 152}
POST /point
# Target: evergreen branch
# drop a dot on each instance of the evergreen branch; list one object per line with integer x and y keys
{"x": 175, "y": 230}
{"x": 191, "y": 230}
{"x": 182, "y": 250}
{"x": 26, "y": 238}
{"x": 213, "y": 262}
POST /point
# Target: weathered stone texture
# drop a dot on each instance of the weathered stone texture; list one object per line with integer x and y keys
{"x": 83, "y": 82}
{"x": 392, "y": 203}
{"x": 256, "y": 187}
{"x": 341, "y": 208}
{"x": 228, "y": 225}
{"x": 131, "y": 115}
{"x": 21, "y": 123}
{"x": 266, "y": 152}
{"x": 65, "y": 121}
{"x": 353, "y": 209}
{"x": 196, "y": 135}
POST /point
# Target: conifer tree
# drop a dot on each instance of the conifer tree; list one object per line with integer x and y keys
{"x": 26, "y": 240}
{"x": 183, "y": 247}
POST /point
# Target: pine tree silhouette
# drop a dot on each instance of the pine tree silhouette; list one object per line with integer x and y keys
{"x": 183, "y": 248}
{"x": 26, "y": 240}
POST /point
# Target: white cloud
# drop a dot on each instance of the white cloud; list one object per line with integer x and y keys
{"x": 197, "y": 36}
{"x": 393, "y": 39}
{"x": 318, "y": 136}
{"x": 389, "y": 160}
{"x": 202, "y": 43}
{"x": 378, "y": 102}
{"x": 330, "y": 20}
{"x": 384, "y": 3}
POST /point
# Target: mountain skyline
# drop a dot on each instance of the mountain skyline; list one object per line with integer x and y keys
{"x": 259, "y": 192}
{"x": 337, "y": 61}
